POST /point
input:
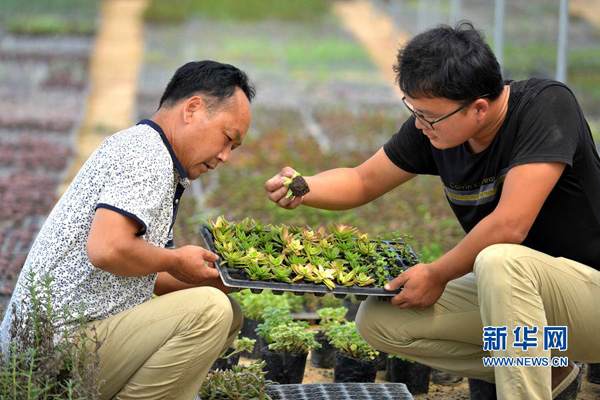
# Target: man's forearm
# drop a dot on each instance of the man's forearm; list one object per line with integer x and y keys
{"x": 335, "y": 189}
{"x": 460, "y": 260}
{"x": 134, "y": 258}
{"x": 166, "y": 283}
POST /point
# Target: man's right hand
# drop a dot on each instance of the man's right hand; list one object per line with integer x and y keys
{"x": 195, "y": 265}
{"x": 277, "y": 191}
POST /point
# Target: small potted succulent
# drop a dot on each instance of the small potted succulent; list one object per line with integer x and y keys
{"x": 324, "y": 356}
{"x": 355, "y": 358}
{"x": 232, "y": 356}
{"x": 413, "y": 374}
{"x": 286, "y": 354}
{"x": 239, "y": 383}
{"x": 254, "y": 305}
{"x": 287, "y": 345}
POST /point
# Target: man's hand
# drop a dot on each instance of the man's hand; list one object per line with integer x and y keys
{"x": 422, "y": 287}
{"x": 277, "y": 191}
{"x": 195, "y": 265}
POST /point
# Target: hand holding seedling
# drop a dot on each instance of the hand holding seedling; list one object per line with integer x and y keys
{"x": 195, "y": 265}
{"x": 421, "y": 287}
{"x": 287, "y": 188}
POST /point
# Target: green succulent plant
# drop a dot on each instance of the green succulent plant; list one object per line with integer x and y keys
{"x": 346, "y": 339}
{"x": 340, "y": 255}
{"x": 293, "y": 338}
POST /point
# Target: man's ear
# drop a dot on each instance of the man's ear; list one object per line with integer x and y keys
{"x": 191, "y": 106}
{"x": 481, "y": 107}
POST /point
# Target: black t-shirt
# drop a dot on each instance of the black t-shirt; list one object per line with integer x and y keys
{"x": 544, "y": 123}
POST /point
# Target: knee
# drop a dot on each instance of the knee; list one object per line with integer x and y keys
{"x": 209, "y": 305}
{"x": 495, "y": 260}
{"x": 374, "y": 327}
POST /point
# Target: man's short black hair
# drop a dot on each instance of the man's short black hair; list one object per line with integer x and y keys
{"x": 213, "y": 80}
{"x": 453, "y": 63}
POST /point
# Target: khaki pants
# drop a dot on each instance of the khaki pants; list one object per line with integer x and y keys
{"x": 163, "y": 348}
{"x": 511, "y": 286}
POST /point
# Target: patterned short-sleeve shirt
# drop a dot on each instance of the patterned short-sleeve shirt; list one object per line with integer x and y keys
{"x": 134, "y": 172}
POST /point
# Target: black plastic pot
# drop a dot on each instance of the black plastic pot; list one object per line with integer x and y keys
{"x": 226, "y": 363}
{"x": 348, "y": 369}
{"x": 414, "y": 375}
{"x": 481, "y": 390}
{"x": 352, "y": 309}
{"x": 249, "y": 330}
{"x": 593, "y": 373}
{"x": 381, "y": 361}
{"x": 323, "y": 357}
{"x": 283, "y": 368}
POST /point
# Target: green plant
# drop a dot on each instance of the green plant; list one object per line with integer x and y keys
{"x": 292, "y": 338}
{"x": 296, "y": 185}
{"x": 341, "y": 255}
{"x": 331, "y": 316}
{"x": 43, "y": 363}
{"x": 242, "y": 382}
{"x": 346, "y": 339}
{"x": 248, "y": 10}
{"x": 254, "y": 305}
{"x": 272, "y": 317}
{"x": 240, "y": 345}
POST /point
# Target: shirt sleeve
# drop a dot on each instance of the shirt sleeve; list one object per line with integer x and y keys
{"x": 548, "y": 129}
{"x": 410, "y": 150}
{"x": 136, "y": 187}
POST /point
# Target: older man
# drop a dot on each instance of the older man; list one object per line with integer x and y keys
{"x": 105, "y": 243}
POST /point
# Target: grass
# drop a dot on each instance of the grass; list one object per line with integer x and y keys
{"x": 174, "y": 11}
{"x": 56, "y": 17}
{"x": 50, "y": 25}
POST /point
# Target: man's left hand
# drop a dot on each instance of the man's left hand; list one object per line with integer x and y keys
{"x": 422, "y": 287}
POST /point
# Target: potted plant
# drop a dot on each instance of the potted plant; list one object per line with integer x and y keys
{"x": 253, "y": 306}
{"x": 324, "y": 356}
{"x": 355, "y": 358}
{"x": 232, "y": 356}
{"x": 285, "y": 356}
{"x": 240, "y": 383}
{"x": 413, "y": 374}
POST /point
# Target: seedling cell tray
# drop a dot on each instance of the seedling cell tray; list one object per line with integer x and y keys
{"x": 340, "y": 391}
{"x": 235, "y": 277}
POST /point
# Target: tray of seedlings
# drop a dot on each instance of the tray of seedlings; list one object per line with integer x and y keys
{"x": 339, "y": 260}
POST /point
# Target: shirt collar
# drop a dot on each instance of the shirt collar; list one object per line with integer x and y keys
{"x": 176, "y": 163}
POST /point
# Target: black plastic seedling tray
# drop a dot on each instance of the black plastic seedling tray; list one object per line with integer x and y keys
{"x": 340, "y": 391}
{"x": 234, "y": 277}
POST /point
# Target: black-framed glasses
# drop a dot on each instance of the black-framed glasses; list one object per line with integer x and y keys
{"x": 430, "y": 123}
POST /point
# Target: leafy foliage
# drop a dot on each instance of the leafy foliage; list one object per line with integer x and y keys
{"x": 341, "y": 255}
{"x": 346, "y": 339}
{"x": 242, "y": 382}
{"x": 43, "y": 364}
{"x": 293, "y": 338}
{"x": 254, "y": 305}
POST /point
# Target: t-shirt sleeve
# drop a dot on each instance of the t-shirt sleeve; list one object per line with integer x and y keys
{"x": 410, "y": 150}
{"x": 136, "y": 187}
{"x": 548, "y": 129}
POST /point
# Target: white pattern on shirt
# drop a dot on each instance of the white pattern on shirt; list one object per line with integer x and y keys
{"x": 133, "y": 173}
